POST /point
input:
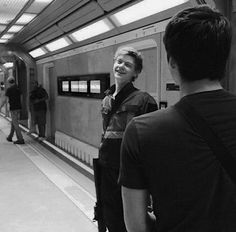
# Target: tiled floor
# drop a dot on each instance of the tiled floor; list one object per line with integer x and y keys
{"x": 39, "y": 192}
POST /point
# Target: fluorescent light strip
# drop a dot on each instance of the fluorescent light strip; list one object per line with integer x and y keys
{"x": 37, "y": 52}
{"x": 7, "y": 36}
{"x": 57, "y": 44}
{"x": 92, "y": 30}
{"x": 46, "y": 1}
{"x": 8, "y": 65}
{"x": 25, "y": 18}
{"x": 3, "y": 40}
{"x": 2, "y": 27}
{"x": 15, "y": 28}
{"x": 143, "y": 9}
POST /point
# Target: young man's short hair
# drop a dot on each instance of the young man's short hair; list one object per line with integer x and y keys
{"x": 199, "y": 41}
{"x": 133, "y": 53}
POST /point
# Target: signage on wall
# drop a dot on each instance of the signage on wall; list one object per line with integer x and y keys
{"x": 172, "y": 87}
{"x": 90, "y": 85}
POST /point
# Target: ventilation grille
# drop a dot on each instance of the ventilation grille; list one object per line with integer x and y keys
{"x": 31, "y": 44}
{"x": 49, "y": 34}
{"x": 76, "y": 148}
{"x": 83, "y": 15}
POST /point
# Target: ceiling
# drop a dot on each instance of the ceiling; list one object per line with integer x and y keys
{"x": 16, "y": 14}
{"x": 49, "y": 20}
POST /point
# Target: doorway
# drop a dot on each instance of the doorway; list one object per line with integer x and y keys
{"x": 47, "y": 84}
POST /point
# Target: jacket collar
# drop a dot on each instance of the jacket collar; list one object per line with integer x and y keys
{"x": 127, "y": 88}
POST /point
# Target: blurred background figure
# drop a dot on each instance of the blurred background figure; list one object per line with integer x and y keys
{"x": 38, "y": 106}
{"x": 13, "y": 97}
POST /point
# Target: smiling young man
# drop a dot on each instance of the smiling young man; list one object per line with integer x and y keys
{"x": 163, "y": 153}
{"x": 122, "y": 102}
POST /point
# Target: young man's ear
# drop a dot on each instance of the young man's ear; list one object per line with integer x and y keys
{"x": 174, "y": 70}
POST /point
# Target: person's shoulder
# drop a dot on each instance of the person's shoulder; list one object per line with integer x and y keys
{"x": 160, "y": 118}
{"x": 144, "y": 96}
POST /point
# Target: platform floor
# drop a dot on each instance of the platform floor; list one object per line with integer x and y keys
{"x": 39, "y": 192}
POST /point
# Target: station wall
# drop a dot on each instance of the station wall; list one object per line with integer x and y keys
{"x": 80, "y": 117}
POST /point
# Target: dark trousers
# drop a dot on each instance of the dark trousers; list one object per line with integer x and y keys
{"x": 40, "y": 121}
{"x": 15, "y": 125}
{"x": 111, "y": 200}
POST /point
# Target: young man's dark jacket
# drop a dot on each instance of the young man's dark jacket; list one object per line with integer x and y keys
{"x": 132, "y": 102}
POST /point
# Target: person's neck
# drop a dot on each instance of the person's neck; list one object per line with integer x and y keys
{"x": 199, "y": 86}
{"x": 119, "y": 86}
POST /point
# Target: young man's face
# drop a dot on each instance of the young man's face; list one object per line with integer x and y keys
{"x": 124, "y": 68}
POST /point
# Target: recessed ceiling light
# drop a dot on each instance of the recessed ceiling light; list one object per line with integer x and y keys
{"x": 57, "y": 44}
{"x": 8, "y": 65}
{"x": 3, "y": 40}
{"x": 7, "y": 36}
{"x": 143, "y": 9}
{"x": 2, "y": 27}
{"x": 15, "y": 28}
{"x": 92, "y": 30}
{"x": 47, "y": 1}
{"x": 37, "y": 52}
{"x": 25, "y": 18}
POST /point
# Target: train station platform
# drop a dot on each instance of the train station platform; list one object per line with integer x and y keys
{"x": 39, "y": 191}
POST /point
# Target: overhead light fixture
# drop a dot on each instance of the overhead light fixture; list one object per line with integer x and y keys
{"x": 143, "y": 9}
{"x": 47, "y": 1}
{"x": 58, "y": 44}
{"x": 7, "y": 36}
{"x": 8, "y": 65}
{"x": 3, "y": 40}
{"x": 15, "y": 28}
{"x": 2, "y": 27}
{"x": 25, "y": 18}
{"x": 92, "y": 30}
{"x": 37, "y": 52}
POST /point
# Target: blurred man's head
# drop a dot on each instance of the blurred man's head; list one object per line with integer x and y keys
{"x": 198, "y": 40}
{"x": 34, "y": 84}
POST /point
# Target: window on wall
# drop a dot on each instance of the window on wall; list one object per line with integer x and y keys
{"x": 90, "y": 86}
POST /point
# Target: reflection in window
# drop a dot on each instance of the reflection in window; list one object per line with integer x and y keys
{"x": 65, "y": 86}
{"x": 83, "y": 87}
{"x": 74, "y": 86}
{"x": 95, "y": 86}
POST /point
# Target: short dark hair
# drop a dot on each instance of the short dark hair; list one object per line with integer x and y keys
{"x": 138, "y": 60}
{"x": 199, "y": 40}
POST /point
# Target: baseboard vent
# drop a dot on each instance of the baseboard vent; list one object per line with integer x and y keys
{"x": 76, "y": 148}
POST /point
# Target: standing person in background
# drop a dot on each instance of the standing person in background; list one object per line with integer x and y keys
{"x": 38, "y": 97}
{"x": 167, "y": 155}
{"x": 13, "y": 96}
{"x": 122, "y": 102}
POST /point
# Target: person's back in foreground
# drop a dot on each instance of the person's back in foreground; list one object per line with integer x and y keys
{"x": 191, "y": 191}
